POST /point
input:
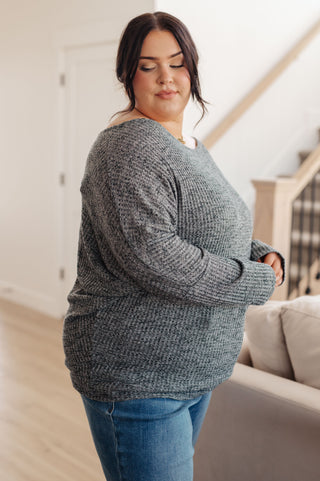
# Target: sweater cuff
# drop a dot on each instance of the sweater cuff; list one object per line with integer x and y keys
{"x": 236, "y": 282}
{"x": 261, "y": 282}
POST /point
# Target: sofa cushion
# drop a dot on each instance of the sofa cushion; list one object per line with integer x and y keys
{"x": 301, "y": 326}
{"x": 266, "y": 340}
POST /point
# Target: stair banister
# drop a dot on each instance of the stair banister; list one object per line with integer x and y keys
{"x": 306, "y": 172}
{"x": 273, "y": 208}
{"x": 274, "y": 197}
{"x": 273, "y": 214}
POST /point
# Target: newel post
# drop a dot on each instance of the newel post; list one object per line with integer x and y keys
{"x": 272, "y": 219}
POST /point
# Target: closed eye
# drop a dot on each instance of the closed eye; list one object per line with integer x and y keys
{"x": 147, "y": 69}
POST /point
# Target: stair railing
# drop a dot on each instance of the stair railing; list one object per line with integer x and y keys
{"x": 273, "y": 212}
{"x": 305, "y": 240}
{"x": 275, "y": 197}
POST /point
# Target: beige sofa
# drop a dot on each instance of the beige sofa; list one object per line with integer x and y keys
{"x": 263, "y": 424}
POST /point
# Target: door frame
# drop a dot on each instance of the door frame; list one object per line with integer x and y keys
{"x": 87, "y": 35}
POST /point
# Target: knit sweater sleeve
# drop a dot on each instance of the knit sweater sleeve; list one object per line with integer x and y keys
{"x": 132, "y": 196}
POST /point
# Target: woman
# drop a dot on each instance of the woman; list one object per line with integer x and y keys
{"x": 166, "y": 267}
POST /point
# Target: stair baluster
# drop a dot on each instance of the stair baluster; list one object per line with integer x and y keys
{"x": 300, "y": 245}
{"x": 311, "y": 230}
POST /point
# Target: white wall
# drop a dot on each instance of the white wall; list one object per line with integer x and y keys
{"x": 239, "y": 42}
{"x": 29, "y": 208}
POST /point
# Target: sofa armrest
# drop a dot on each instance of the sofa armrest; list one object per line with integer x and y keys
{"x": 291, "y": 392}
{"x": 260, "y": 427}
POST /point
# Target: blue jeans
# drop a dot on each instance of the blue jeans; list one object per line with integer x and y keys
{"x": 146, "y": 439}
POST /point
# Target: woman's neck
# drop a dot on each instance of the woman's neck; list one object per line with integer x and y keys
{"x": 173, "y": 126}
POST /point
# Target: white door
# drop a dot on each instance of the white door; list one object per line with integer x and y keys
{"x": 92, "y": 95}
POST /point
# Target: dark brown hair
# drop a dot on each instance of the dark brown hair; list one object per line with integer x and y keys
{"x": 130, "y": 47}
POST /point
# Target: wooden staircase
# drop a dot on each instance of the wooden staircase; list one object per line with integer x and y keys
{"x": 304, "y": 270}
{"x": 287, "y": 211}
{"x": 287, "y": 216}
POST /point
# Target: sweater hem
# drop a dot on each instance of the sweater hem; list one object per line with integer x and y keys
{"x": 104, "y": 394}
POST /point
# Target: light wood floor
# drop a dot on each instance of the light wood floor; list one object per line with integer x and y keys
{"x": 44, "y": 434}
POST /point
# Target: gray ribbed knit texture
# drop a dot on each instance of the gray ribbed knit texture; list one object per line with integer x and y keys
{"x": 166, "y": 269}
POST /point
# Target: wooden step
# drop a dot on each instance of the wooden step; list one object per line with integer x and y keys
{"x": 303, "y": 155}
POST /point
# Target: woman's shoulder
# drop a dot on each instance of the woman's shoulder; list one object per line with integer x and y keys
{"x": 130, "y": 144}
{"x": 123, "y": 117}
{"x": 134, "y": 140}
{"x": 133, "y": 124}
{"x": 134, "y": 134}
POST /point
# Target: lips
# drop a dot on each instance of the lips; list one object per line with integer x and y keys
{"x": 166, "y": 94}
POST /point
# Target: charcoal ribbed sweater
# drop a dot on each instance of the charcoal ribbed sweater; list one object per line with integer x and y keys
{"x": 166, "y": 269}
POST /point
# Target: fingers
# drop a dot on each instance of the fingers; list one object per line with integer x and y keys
{"x": 274, "y": 261}
{"x": 279, "y": 278}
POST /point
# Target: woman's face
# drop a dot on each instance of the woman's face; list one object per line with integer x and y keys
{"x": 162, "y": 82}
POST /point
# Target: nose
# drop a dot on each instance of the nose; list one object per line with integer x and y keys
{"x": 165, "y": 75}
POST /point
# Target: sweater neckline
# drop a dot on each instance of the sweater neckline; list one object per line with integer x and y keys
{"x": 144, "y": 119}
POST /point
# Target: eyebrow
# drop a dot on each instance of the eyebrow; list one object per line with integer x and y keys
{"x": 157, "y": 58}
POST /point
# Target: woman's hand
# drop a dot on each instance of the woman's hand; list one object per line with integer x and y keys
{"x": 274, "y": 260}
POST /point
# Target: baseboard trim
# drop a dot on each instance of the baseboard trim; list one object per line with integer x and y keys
{"x": 32, "y": 299}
